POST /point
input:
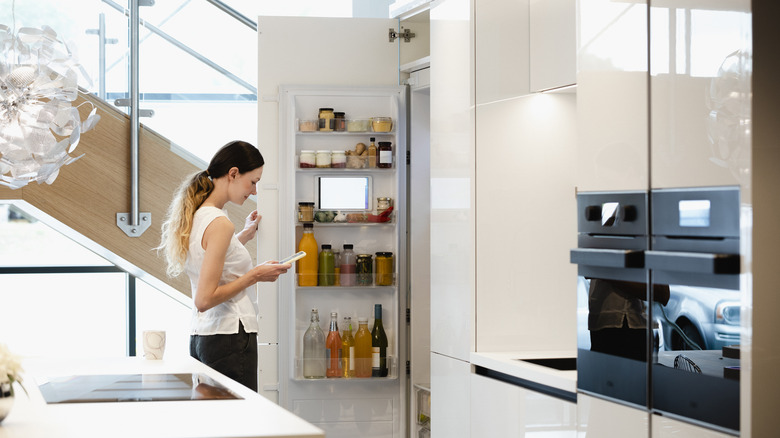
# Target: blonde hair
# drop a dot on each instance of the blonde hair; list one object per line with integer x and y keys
{"x": 176, "y": 230}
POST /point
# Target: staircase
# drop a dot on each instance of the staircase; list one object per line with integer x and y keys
{"x": 89, "y": 193}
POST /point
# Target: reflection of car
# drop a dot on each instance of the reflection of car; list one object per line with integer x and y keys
{"x": 707, "y": 316}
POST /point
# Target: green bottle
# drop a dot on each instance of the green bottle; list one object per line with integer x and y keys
{"x": 327, "y": 265}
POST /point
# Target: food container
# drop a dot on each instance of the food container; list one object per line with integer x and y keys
{"x": 381, "y": 124}
{"x": 339, "y": 122}
{"x": 357, "y": 161}
{"x": 384, "y": 268}
{"x": 324, "y": 216}
{"x": 307, "y": 160}
{"x": 383, "y": 203}
{"x": 308, "y": 125}
{"x": 364, "y": 266}
{"x": 358, "y": 125}
{"x": 323, "y": 159}
{"x": 326, "y": 122}
{"x": 338, "y": 159}
{"x": 305, "y": 212}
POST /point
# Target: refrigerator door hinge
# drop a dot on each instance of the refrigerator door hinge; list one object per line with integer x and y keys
{"x": 408, "y": 368}
{"x": 408, "y": 157}
{"x": 408, "y": 316}
{"x": 406, "y": 34}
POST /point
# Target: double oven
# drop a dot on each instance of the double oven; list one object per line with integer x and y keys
{"x": 659, "y": 301}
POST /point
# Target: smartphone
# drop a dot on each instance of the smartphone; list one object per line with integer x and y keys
{"x": 294, "y": 257}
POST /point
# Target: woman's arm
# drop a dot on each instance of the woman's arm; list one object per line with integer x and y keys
{"x": 250, "y": 228}
{"x": 210, "y": 293}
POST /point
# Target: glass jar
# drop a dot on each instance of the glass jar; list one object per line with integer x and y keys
{"x": 323, "y": 159}
{"x": 307, "y": 160}
{"x": 364, "y": 270}
{"x": 384, "y": 268}
{"x": 338, "y": 159}
{"x": 382, "y": 204}
{"x": 384, "y": 156}
{"x": 381, "y": 124}
{"x": 326, "y": 119}
{"x": 339, "y": 122}
{"x": 305, "y": 212}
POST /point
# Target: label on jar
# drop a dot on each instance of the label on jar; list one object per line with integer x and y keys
{"x": 385, "y": 157}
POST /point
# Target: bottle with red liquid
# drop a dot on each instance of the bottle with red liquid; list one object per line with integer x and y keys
{"x": 347, "y": 266}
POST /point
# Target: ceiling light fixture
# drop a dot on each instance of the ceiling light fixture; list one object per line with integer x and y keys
{"x": 39, "y": 126}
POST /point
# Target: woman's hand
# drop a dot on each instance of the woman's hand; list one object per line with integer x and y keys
{"x": 250, "y": 227}
{"x": 269, "y": 271}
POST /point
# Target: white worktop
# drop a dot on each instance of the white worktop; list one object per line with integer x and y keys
{"x": 508, "y": 363}
{"x": 254, "y": 416}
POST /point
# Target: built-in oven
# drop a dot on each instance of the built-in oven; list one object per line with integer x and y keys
{"x": 613, "y": 323}
{"x": 695, "y": 250}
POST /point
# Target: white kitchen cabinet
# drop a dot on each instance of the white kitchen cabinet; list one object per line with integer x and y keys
{"x": 501, "y": 49}
{"x": 503, "y": 409}
{"x": 604, "y": 419}
{"x": 452, "y": 181}
{"x": 450, "y": 397}
{"x": 612, "y": 98}
{"x": 665, "y": 427}
{"x": 553, "y": 44}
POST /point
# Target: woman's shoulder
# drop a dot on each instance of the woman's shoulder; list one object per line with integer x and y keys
{"x": 210, "y": 212}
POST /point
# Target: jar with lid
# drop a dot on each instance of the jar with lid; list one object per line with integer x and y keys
{"x": 323, "y": 159}
{"x": 338, "y": 159}
{"x": 384, "y": 268}
{"x": 383, "y": 203}
{"x": 339, "y": 122}
{"x": 384, "y": 156}
{"x": 307, "y": 160}
{"x": 364, "y": 270}
{"x": 326, "y": 117}
{"x": 305, "y": 212}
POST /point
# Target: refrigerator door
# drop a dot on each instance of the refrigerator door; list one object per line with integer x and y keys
{"x": 355, "y": 69}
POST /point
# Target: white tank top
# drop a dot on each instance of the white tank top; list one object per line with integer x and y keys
{"x": 221, "y": 319}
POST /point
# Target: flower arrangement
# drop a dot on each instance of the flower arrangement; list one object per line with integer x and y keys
{"x": 10, "y": 366}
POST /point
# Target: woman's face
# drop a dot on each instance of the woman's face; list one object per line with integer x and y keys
{"x": 243, "y": 185}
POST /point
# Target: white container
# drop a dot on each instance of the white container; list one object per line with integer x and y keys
{"x": 323, "y": 159}
{"x": 307, "y": 159}
{"x": 338, "y": 159}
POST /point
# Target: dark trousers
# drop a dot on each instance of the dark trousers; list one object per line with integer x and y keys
{"x": 232, "y": 355}
{"x": 625, "y": 342}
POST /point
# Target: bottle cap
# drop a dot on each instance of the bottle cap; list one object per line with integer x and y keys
{"x": 308, "y": 225}
{"x": 333, "y": 314}
{"x": 326, "y": 246}
{"x": 362, "y": 319}
{"x": 373, "y": 138}
{"x": 348, "y": 246}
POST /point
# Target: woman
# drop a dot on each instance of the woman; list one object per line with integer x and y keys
{"x": 198, "y": 237}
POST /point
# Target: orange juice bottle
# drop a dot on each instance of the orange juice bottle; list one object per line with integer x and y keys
{"x": 308, "y": 265}
{"x": 363, "y": 349}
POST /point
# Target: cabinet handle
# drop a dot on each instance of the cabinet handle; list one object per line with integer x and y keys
{"x": 608, "y": 258}
{"x": 693, "y": 262}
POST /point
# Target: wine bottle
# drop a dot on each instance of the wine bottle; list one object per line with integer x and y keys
{"x": 314, "y": 349}
{"x": 347, "y": 349}
{"x": 378, "y": 345}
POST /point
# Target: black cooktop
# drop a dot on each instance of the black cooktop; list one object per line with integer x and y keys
{"x": 133, "y": 388}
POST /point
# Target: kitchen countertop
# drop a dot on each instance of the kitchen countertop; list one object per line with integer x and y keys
{"x": 250, "y": 416}
{"x": 507, "y": 363}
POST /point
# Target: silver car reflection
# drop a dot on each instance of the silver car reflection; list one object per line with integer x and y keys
{"x": 706, "y": 317}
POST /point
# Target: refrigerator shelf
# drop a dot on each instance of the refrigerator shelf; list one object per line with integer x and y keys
{"x": 344, "y": 288}
{"x": 392, "y": 373}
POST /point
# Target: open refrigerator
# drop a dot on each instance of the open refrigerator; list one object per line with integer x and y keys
{"x": 359, "y": 407}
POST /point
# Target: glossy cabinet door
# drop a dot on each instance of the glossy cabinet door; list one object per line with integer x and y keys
{"x": 505, "y": 410}
{"x": 452, "y": 179}
{"x": 502, "y": 49}
{"x": 604, "y": 419}
{"x": 612, "y": 95}
{"x": 553, "y": 44}
{"x": 700, "y": 93}
{"x": 450, "y": 397}
{"x": 665, "y": 427}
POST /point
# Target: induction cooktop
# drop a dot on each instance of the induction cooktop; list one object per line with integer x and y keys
{"x": 133, "y": 388}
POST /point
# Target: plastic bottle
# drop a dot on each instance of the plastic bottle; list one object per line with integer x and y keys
{"x": 347, "y": 349}
{"x": 333, "y": 348}
{"x": 378, "y": 345}
{"x": 314, "y": 349}
{"x": 363, "y": 349}
{"x": 347, "y": 270}
{"x": 336, "y": 268}
{"x": 308, "y": 265}
{"x": 326, "y": 267}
